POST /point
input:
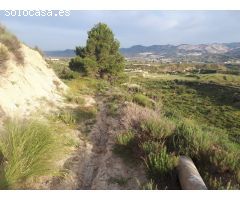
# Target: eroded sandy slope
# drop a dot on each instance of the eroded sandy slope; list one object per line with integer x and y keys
{"x": 25, "y": 88}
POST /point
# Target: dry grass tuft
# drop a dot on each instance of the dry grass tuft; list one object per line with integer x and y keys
{"x": 4, "y": 56}
{"x": 12, "y": 43}
{"x": 134, "y": 114}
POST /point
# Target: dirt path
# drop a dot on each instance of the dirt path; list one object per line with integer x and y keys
{"x": 95, "y": 166}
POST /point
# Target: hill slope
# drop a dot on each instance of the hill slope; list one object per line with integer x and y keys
{"x": 26, "y": 87}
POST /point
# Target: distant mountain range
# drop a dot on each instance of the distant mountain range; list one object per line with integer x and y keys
{"x": 216, "y": 52}
{"x": 68, "y": 53}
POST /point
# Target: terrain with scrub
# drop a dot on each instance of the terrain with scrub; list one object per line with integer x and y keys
{"x": 145, "y": 120}
{"x": 100, "y": 128}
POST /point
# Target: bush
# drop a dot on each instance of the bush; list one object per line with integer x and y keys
{"x": 66, "y": 117}
{"x": 115, "y": 101}
{"x": 36, "y": 48}
{"x": 72, "y": 117}
{"x": 76, "y": 64}
{"x": 160, "y": 164}
{"x": 62, "y": 70}
{"x": 126, "y": 147}
{"x": 87, "y": 86}
{"x": 225, "y": 155}
{"x": 86, "y": 66}
{"x": 4, "y": 56}
{"x": 151, "y": 147}
{"x": 12, "y": 43}
{"x": 142, "y": 100}
{"x": 112, "y": 109}
{"x": 218, "y": 183}
{"x": 157, "y": 128}
{"x": 134, "y": 115}
{"x": 125, "y": 138}
{"x": 225, "y": 160}
{"x": 149, "y": 186}
{"x": 67, "y": 74}
{"x": 29, "y": 149}
{"x": 75, "y": 99}
{"x": 190, "y": 140}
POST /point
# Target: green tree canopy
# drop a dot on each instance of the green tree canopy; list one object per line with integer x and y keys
{"x": 100, "y": 56}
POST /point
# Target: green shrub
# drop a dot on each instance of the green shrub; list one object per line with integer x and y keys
{"x": 75, "y": 116}
{"x": 160, "y": 164}
{"x": 142, "y": 100}
{"x": 76, "y": 64}
{"x": 131, "y": 87}
{"x": 190, "y": 140}
{"x": 225, "y": 161}
{"x": 62, "y": 70}
{"x": 150, "y": 146}
{"x": 115, "y": 100}
{"x": 75, "y": 99}
{"x": 112, "y": 109}
{"x": 67, "y": 74}
{"x": 157, "y": 128}
{"x": 126, "y": 147}
{"x": 125, "y": 138}
{"x": 218, "y": 183}
{"x": 149, "y": 186}
{"x": 225, "y": 157}
{"x": 87, "y": 86}
{"x": 86, "y": 66}
{"x": 29, "y": 149}
{"x": 67, "y": 117}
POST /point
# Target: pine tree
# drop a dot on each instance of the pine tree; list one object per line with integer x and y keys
{"x": 101, "y": 56}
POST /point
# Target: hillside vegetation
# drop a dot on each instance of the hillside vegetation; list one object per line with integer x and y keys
{"x": 162, "y": 114}
{"x": 116, "y": 129}
{"x": 166, "y": 115}
{"x": 9, "y": 43}
{"x": 32, "y": 145}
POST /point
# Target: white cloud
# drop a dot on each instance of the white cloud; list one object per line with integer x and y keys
{"x": 130, "y": 27}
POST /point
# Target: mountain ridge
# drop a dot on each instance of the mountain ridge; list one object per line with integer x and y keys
{"x": 212, "y": 52}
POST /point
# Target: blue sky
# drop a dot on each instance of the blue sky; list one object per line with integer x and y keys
{"x": 130, "y": 27}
